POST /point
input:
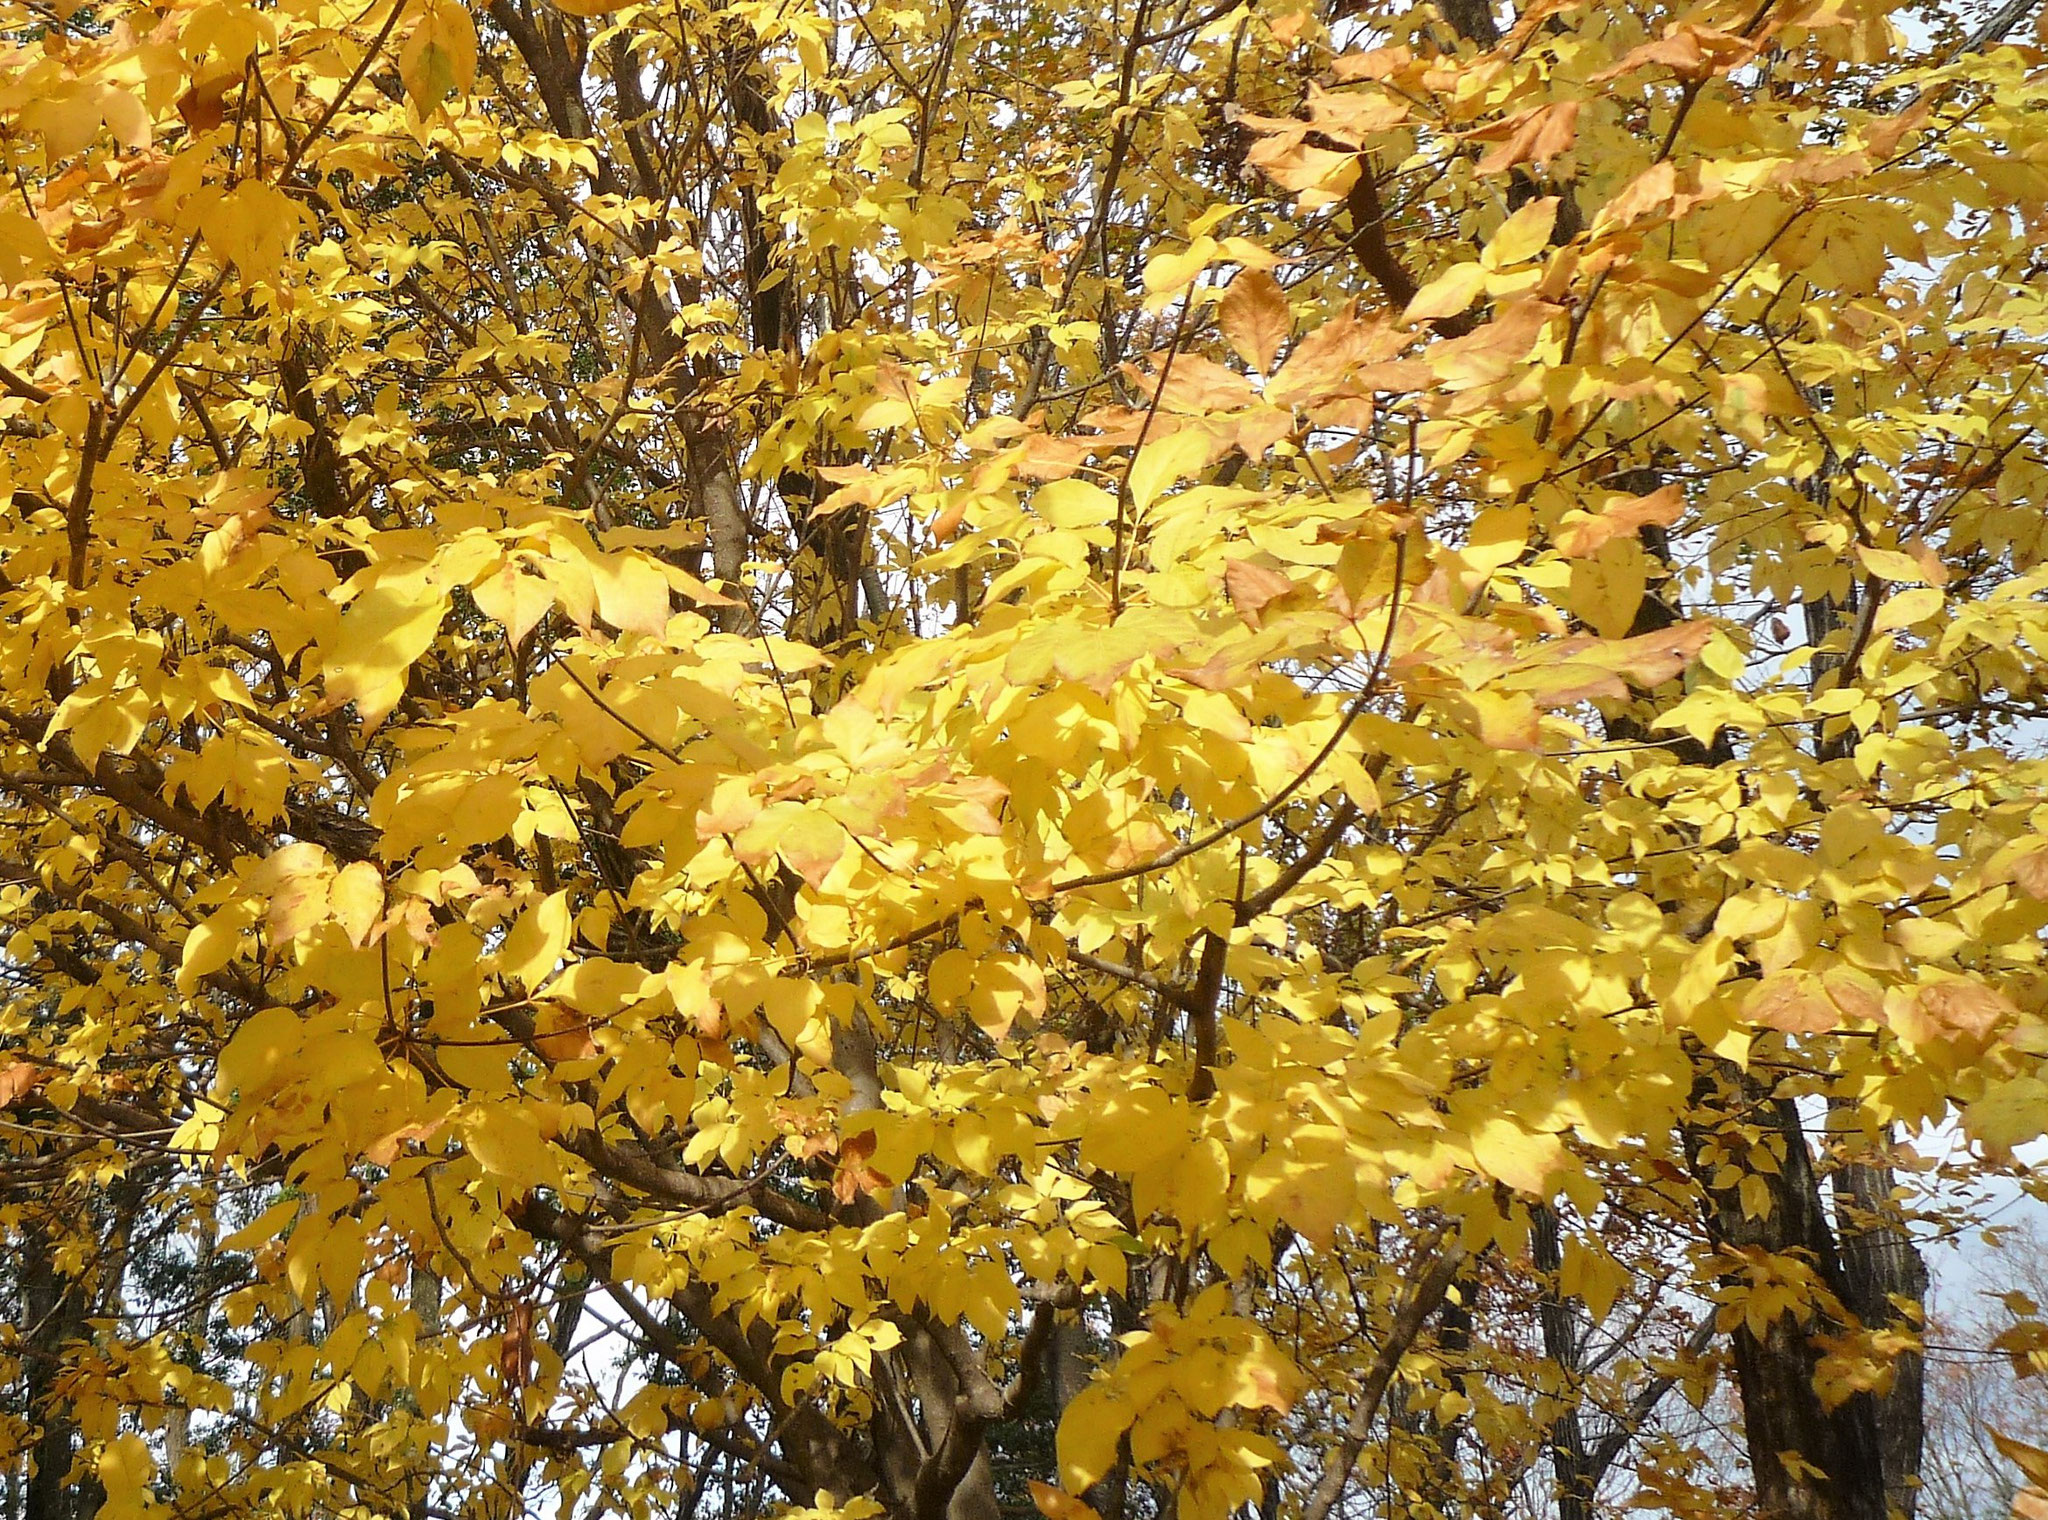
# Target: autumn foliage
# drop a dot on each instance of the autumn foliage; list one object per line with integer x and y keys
{"x": 748, "y": 748}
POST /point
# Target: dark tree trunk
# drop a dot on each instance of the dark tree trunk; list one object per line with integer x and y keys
{"x": 1809, "y": 1462}
{"x": 1567, "y": 1436}
{"x": 52, "y": 1315}
{"x": 1886, "y": 1285}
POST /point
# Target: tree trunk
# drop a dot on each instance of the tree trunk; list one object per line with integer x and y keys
{"x": 51, "y": 1317}
{"x": 1886, "y": 1285}
{"x": 1809, "y": 1462}
{"x": 1567, "y": 1434}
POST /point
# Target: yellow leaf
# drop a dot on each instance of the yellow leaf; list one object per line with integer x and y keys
{"x": 1891, "y": 564}
{"x": 1090, "y": 1430}
{"x": 1607, "y": 589}
{"x": 808, "y": 838}
{"x": 357, "y": 893}
{"x": 632, "y": 594}
{"x": 253, "y": 226}
{"x": 1057, "y": 1504}
{"x": 440, "y": 58}
{"x": 513, "y": 599}
{"x": 1523, "y": 235}
{"x": 1506, "y": 720}
{"x": 1074, "y": 504}
{"x": 24, "y": 249}
{"x": 383, "y": 631}
{"x": 125, "y": 1469}
{"x": 535, "y": 946}
{"x": 1164, "y": 461}
{"x": 1528, "y": 1162}
{"x": 506, "y": 1141}
{"x": 2011, "y": 1113}
{"x": 2031, "y": 1460}
{"x": 1006, "y": 988}
{"x": 731, "y": 806}
{"x": 1448, "y": 294}
{"x": 212, "y": 943}
{"x": 264, "y": 1042}
{"x": 296, "y": 880}
{"x": 950, "y": 978}
{"x": 790, "y": 1005}
{"x": 1168, "y": 272}
{"x": 1907, "y": 608}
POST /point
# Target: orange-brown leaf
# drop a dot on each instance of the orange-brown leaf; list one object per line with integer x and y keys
{"x": 1965, "y": 1008}
{"x": 1325, "y": 360}
{"x": 853, "y": 1176}
{"x": 1256, "y": 319}
{"x": 1583, "y": 535}
{"x": 204, "y": 106}
{"x": 1793, "y": 1003}
{"x": 1196, "y": 386}
{"x": 17, "y": 1080}
{"x": 1651, "y": 659}
{"x": 1351, "y": 116}
{"x": 1688, "y": 49}
{"x": 515, "y": 1347}
{"x": 1535, "y": 136}
{"x": 1253, "y": 588}
{"x": 2030, "y": 872}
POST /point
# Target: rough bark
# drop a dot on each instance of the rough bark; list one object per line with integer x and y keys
{"x": 715, "y": 484}
{"x": 1561, "y": 1344}
{"x": 1809, "y": 1462}
{"x": 1885, "y": 1283}
{"x": 1473, "y": 20}
{"x": 52, "y": 1315}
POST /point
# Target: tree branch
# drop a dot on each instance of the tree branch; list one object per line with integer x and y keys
{"x": 1422, "y": 1302}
